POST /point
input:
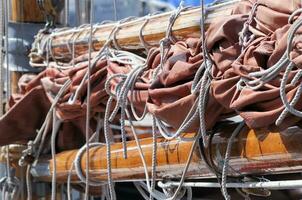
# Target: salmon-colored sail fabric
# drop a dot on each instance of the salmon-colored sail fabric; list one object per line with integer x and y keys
{"x": 140, "y": 91}
{"x": 26, "y": 116}
{"x": 262, "y": 107}
{"x": 170, "y": 94}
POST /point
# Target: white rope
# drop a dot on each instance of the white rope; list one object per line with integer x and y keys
{"x": 66, "y": 12}
{"x": 152, "y": 192}
{"x": 76, "y": 164}
{"x": 87, "y": 126}
{"x": 201, "y": 84}
{"x": 28, "y": 182}
{"x": 108, "y": 149}
{"x": 262, "y": 77}
{"x": 10, "y": 185}
{"x": 138, "y": 65}
{"x": 35, "y": 147}
{"x": 245, "y": 37}
{"x": 6, "y": 21}
{"x": 10, "y": 188}
{"x": 100, "y": 55}
{"x": 56, "y": 123}
{"x": 78, "y": 167}
{"x": 226, "y": 161}
{"x": 114, "y": 9}
{"x": 1, "y": 60}
{"x": 271, "y": 185}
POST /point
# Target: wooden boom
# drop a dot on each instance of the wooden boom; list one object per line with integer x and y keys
{"x": 186, "y": 25}
{"x": 253, "y": 152}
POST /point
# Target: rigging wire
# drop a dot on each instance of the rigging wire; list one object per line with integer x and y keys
{"x": 87, "y": 125}
{"x": 1, "y": 59}
{"x": 226, "y": 161}
{"x": 6, "y": 20}
{"x": 115, "y": 10}
{"x": 10, "y": 185}
{"x": 56, "y": 123}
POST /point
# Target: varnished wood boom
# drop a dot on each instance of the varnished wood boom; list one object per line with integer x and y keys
{"x": 253, "y": 152}
{"x": 186, "y": 25}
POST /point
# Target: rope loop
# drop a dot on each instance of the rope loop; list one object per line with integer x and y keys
{"x": 28, "y": 154}
{"x": 117, "y": 28}
{"x": 245, "y": 36}
{"x": 78, "y": 166}
{"x": 145, "y": 44}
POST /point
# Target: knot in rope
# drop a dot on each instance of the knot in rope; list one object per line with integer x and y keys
{"x": 245, "y": 36}
{"x": 28, "y": 154}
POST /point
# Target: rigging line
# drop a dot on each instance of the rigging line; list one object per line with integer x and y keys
{"x": 56, "y": 123}
{"x": 115, "y": 10}
{"x": 69, "y": 195}
{"x": 143, "y": 160}
{"x": 42, "y": 133}
{"x": 100, "y": 55}
{"x": 1, "y": 80}
{"x": 23, "y": 41}
{"x": 87, "y": 127}
{"x": 76, "y": 164}
{"x": 166, "y": 42}
{"x": 8, "y": 173}
{"x": 6, "y": 7}
{"x": 28, "y": 183}
{"x": 154, "y": 157}
{"x": 1, "y": 60}
{"x": 227, "y": 159}
{"x": 6, "y": 10}
{"x": 66, "y": 12}
{"x": 112, "y": 193}
{"x": 122, "y": 92}
{"x": 264, "y": 76}
{"x": 205, "y": 79}
{"x": 155, "y": 194}
{"x": 183, "y": 176}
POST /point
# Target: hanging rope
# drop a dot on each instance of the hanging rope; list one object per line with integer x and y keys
{"x": 6, "y": 24}
{"x": 1, "y": 60}
{"x": 200, "y": 84}
{"x": 76, "y": 164}
{"x": 87, "y": 125}
{"x": 56, "y": 123}
{"x": 9, "y": 184}
{"x": 227, "y": 159}
{"x": 101, "y": 54}
{"x": 246, "y": 37}
{"x": 123, "y": 88}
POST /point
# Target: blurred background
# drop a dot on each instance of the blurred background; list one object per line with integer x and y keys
{"x": 125, "y": 8}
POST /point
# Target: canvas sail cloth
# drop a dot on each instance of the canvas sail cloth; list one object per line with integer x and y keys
{"x": 142, "y": 84}
{"x": 170, "y": 93}
{"x": 170, "y": 97}
{"x": 261, "y": 107}
{"x": 28, "y": 113}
